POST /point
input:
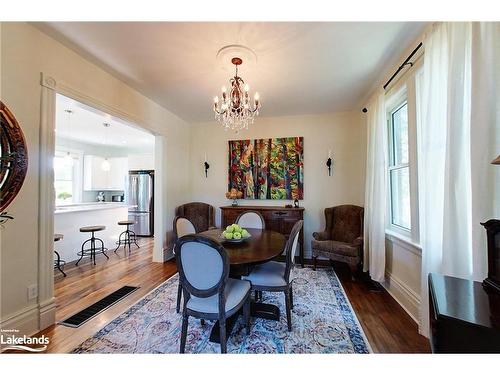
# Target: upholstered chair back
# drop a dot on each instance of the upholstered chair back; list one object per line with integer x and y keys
{"x": 203, "y": 265}
{"x": 183, "y": 227}
{"x": 291, "y": 248}
{"x": 346, "y": 222}
{"x": 202, "y": 215}
{"x": 251, "y": 219}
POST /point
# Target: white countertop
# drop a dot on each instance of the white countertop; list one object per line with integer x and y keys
{"x": 91, "y": 206}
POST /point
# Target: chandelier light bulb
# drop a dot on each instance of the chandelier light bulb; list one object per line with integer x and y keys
{"x": 224, "y": 89}
{"x": 247, "y": 88}
{"x": 216, "y": 99}
{"x": 256, "y": 97}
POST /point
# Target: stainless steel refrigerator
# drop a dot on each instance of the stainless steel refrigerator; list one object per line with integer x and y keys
{"x": 140, "y": 196}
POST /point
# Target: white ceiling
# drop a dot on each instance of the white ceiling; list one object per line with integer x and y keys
{"x": 85, "y": 125}
{"x": 302, "y": 68}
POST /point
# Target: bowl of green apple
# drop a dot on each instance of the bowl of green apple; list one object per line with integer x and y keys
{"x": 235, "y": 233}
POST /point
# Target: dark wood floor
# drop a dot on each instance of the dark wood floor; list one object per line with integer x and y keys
{"x": 388, "y": 327}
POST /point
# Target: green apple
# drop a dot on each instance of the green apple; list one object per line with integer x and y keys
{"x": 244, "y": 233}
{"x": 229, "y": 229}
{"x": 229, "y": 236}
{"x": 237, "y": 235}
{"x": 237, "y": 228}
{"x": 224, "y": 234}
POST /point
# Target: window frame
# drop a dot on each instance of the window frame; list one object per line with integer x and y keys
{"x": 392, "y": 165}
{"x": 404, "y": 90}
{"x": 77, "y": 178}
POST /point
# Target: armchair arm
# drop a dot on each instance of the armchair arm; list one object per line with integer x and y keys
{"x": 321, "y": 236}
{"x": 358, "y": 241}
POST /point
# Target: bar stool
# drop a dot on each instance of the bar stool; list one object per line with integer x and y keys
{"x": 58, "y": 262}
{"x": 91, "y": 251}
{"x": 129, "y": 236}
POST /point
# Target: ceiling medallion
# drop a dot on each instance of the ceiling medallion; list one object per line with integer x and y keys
{"x": 235, "y": 110}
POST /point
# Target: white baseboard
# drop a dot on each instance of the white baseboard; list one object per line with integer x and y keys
{"x": 47, "y": 313}
{"x": 25, "y": 321}
{"x": 405, "y": 296}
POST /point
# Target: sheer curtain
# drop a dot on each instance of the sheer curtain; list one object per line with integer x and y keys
{"x": 375, "y": 189}
{"x": 451, "y": 203}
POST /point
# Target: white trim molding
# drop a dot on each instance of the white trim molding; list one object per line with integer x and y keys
{"x": 404, "y": 295}
{"x": 26, "y": 321}
{"x": 46, "y": 204}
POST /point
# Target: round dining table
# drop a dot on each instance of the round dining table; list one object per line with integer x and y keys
{"x": 262, "y": 246}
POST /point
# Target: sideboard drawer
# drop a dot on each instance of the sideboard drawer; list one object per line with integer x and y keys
{"x": 280, "y": 214}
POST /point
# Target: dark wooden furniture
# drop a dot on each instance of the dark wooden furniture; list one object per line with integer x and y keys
{"x": 278, "y": 219}
{"x": 464, "y": 317}
{"x": 493, "y": 234}
{"x": 261, "y": 247}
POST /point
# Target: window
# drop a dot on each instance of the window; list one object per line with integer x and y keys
{"x": 399, "y": 167}
{"x": 66, "y": 177}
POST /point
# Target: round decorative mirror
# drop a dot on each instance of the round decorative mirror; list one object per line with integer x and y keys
{"x": 13, "y": 157}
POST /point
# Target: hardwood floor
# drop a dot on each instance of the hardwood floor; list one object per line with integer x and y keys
{"x": 388, "y": 327}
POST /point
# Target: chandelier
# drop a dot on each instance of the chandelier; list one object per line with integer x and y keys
{"x": 234, "y": 111}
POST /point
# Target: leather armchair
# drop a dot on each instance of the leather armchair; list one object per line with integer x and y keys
{"x": 202, "y": 215}
{"x": 342, "y": 239}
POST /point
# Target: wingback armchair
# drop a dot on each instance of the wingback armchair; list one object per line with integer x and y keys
{"x": 342, "y": 239}
{"x": 202, "y": 215}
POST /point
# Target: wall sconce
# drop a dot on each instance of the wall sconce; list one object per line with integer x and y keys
{"x": 206, "y": 165}
{"x": 329, "y": 162}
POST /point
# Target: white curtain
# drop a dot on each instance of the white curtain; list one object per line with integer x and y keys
{"x": 449, "y": 144}
{"x": 375, "y": 189}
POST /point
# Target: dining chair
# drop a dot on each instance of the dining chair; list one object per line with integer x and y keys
{"x": 251, "y": 219}
{"x": 275, "y": 276}
{"x": 208, "y": 291}
{"x": 182, "y": 227}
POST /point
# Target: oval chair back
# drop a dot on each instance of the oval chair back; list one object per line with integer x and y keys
{"x": 203, "y": 266}
{"x": 183, "y": 227}
{"x": 291, "y": 248}
{"x": 251, "y": 219}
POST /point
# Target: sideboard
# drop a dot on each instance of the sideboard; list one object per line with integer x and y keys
{"x": 279, "y": 219}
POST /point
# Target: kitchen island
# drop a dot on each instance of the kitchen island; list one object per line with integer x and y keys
{"x": 68, "y": 220}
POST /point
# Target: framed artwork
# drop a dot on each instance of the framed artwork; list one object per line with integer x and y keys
{"x": 267, "y": 168}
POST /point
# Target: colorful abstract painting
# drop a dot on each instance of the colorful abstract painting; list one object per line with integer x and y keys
{"x": 267, "y": 168}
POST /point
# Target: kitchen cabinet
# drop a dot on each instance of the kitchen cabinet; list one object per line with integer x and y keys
{"x": 95, "y": 178}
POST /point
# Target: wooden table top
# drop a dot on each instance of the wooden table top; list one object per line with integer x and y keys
{"x": 264, "y": 245}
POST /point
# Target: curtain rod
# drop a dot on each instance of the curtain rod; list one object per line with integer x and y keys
{"x": 406, "y": 62}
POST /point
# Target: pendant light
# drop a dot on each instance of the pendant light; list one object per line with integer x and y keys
{"x": 105, "y": 165}
{"x": 68, "y": 159}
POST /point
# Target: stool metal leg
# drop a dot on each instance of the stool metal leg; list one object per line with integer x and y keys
{"x": 102, "y": 247}
{"x": 135, "y": 239}
{"x": 58, "y": 263}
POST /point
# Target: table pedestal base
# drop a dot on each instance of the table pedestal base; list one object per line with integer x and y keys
{"x": 257, "y": 310}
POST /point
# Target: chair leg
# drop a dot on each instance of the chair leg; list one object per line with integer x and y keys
{"x": 314, "y": 263}
{"x": 291, "y": 297}
{"x": 288, "y": 310}
{"x": 246, "y": 313}
{"x": 202, "y": 321}
{"x": 179, "y": 296}
{"x": 222, "y": 334}
{"x": 353, "y": 271}
{"x": 256, "y": 295}
{"x": 185, "y": 318}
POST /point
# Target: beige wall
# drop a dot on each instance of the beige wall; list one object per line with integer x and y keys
{"x": 343, "y": 133}
{"x": 25, "y": 53}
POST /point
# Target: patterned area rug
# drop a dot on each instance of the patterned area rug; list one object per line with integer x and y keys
{"x": 323, "y": 322}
